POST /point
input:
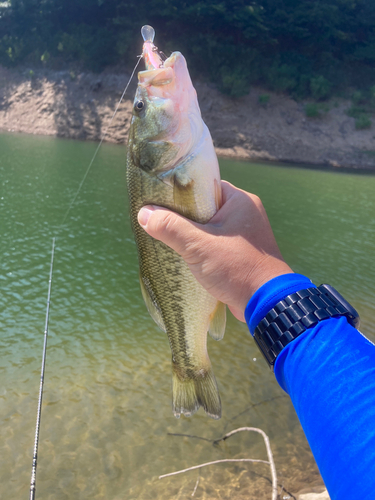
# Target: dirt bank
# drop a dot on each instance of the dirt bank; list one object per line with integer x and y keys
{"x": 80, "y": 107}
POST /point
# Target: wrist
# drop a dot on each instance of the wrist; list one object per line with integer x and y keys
{"x": 264, "y": 274}
{"x": 270, "y": 293}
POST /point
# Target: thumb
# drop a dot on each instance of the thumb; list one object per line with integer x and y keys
{"x": 169, "y": 227}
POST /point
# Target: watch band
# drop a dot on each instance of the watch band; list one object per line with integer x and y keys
{"x": 296, "y": 313}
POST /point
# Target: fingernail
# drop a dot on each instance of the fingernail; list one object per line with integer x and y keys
{"x": 144, "y": 215}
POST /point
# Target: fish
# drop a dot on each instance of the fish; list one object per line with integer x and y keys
{"x": 171, "y": 162}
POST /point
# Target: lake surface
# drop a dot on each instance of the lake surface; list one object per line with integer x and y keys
{"x": 107, "y": 421}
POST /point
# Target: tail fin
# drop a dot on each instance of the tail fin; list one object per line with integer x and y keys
{"x": 191, "y": 393}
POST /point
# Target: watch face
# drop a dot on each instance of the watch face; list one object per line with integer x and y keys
{"x": 351, "y": 315}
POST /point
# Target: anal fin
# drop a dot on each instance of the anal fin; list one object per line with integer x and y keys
{"x": 218, "y": 321}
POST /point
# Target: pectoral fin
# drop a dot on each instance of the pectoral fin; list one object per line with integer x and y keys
{"x": 218, "y": 321}
{"x": 183, "y": 195}
{"x": 183, "y": 191}
{"x": 150, "y": 302}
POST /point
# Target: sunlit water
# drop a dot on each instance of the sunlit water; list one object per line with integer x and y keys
{"x": 107, "y": 419}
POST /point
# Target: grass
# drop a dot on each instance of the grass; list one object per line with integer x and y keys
{"x": 356, "y": 111}
{"x": 263, "y": 99}
{"x": 363, "y": 122}
{"x": 312, "y": 110}
{"x": 315, "y": 110}
{"x": 362, "y": 118}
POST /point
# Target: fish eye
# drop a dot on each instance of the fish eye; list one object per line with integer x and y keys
{"x": 139, "y": 105}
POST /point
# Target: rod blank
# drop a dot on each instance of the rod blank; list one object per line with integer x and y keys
{"x": 36, "y": 441}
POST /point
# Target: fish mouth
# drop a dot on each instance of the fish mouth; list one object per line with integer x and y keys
{"x": 156, "y": 77}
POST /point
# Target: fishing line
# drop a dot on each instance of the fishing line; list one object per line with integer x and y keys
{"x": 36, "y": 441}
{"x": 101, "y": 141}
{"x": 39, "y": 411}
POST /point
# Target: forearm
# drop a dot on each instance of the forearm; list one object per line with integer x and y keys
{"x": 329, "y": 373}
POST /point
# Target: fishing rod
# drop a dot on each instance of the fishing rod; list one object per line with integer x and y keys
{"x": 36, "y": 441}
{"x": 39, "y": 411}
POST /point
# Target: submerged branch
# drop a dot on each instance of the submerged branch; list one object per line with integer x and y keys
{"x": 212, "y": 463}
{"x": 270, "y": 461}
{"x": 269, "y": 453}
{"x": 190, "y": 436}
{"x": 196, "y": 486}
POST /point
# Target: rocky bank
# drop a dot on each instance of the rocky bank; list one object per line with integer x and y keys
{"x": 64, "y": 104}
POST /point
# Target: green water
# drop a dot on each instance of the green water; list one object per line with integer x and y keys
{"x": 107, "y": 404}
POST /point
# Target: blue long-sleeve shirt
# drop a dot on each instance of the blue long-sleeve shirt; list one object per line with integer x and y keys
{"x": 329, "y": 374}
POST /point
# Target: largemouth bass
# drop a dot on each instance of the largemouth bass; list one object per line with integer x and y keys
{"x": 172, "y": 163}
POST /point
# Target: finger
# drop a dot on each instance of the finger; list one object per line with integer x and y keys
{"x": 172, "y": 229}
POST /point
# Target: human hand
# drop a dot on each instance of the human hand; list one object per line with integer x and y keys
{"x": 232, "y": 255}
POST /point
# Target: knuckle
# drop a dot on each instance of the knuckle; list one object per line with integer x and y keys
{"x": 168, "y": 223}
{"x": 165, "y": 227}
{"x": 162, "y": 223}
{"x": 256, "y": 200}
{"x": 197, "y": 250}
{"x": 257, "y": 203}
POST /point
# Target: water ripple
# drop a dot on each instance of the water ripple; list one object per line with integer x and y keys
{"x": 107, "y": 403}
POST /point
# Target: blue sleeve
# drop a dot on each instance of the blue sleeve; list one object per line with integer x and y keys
{"x": 329, "y": 374}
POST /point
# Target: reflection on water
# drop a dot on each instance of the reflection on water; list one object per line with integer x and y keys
{"x": 107, "y": 418}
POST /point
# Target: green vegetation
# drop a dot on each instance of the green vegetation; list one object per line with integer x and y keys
{"x": 312, "y": 110}
{"x": 263, "y": 99}
{"x": 363, "y": 122}
{"x": 45, "y": 57}
{"x": 358, "y": 97}
{"x": 315, "y": 110}
{"x": 363, "y": 105}
{"x": 320, "y": 87}
{"x": 308, "y": 48}
{"x": 356, "y": 111}
{"x": 372, "y": 96}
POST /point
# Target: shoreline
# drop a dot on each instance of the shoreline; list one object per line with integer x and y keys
{"x": 62, "y": 104}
